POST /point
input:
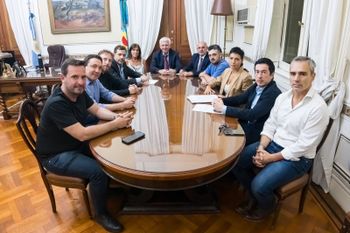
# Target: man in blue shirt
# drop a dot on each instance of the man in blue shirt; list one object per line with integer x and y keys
{"x": 216, "y": 67}
{"x": 94, "y": 88}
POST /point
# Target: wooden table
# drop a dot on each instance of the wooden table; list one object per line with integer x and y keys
{"x": 181, "y": 151}
{"x": 25, "y": 86}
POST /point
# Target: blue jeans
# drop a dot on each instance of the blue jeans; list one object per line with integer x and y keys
{"x": 262, "y": 185}
{"x": 76, "y": 164}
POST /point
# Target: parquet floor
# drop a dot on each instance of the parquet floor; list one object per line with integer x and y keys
{"x": 25, "y": 205}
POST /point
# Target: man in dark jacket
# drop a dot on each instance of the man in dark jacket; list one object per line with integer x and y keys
{"x": 119, "y": 86}
{"x": 199, "y": 61}
{"x": 120, "y": 70}
{"x": 165, "y": 61}
{"x": 258, "y": 100}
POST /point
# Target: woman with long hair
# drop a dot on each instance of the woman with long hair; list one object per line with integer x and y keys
{"x": 135, "y": 60}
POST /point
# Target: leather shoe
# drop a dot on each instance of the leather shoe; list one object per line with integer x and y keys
{"x": 244, "y": 207}
{"x": 257, "y": 215}
{"x": 108, "y": 223}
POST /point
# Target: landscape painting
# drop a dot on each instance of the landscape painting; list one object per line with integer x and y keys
{"x": 79, "y": 16}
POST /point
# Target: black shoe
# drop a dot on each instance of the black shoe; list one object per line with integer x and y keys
{"x": 108, "y": 223}
{"x": 257, "y": 215}
{"x": 244, "y": 207}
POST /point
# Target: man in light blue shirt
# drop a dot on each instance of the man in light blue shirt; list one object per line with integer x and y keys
{"x": 94, "y": 88}
{"x": 216, "y": 67}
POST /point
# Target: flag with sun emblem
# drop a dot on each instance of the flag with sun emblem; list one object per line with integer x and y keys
{"x": 124, "y": 22}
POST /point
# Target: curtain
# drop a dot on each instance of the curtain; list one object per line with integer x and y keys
{"x": 19, "y": 19}
{"x": 330, "y": 47}
{"x": 325, "y": 34}
{"x": 144, "y": 23}
{"x": 263, "y": 19}
{"x": 198, "y": 18}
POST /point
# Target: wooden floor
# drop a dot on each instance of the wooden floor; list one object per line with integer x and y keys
{"x": 25, "y": 205}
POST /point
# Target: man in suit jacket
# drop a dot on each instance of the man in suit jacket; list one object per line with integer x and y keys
{"x": 120, "y": 70}
{"x": 258, "y": 100}
{"x": 199, "y": 61}
{"x": 118, "y": 86}
{"x": 165, "y": 61}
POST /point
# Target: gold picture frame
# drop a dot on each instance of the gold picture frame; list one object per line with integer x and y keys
{"x": 79, "y": 16}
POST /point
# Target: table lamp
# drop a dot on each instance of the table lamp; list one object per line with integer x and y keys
{"x": 222, "y": 8}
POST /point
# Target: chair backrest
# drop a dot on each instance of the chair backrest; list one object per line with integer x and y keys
{"x": 57, "y": 55}
{"x": 10, "y": 60}
{"x": 325, "y": 135}
{"x": 27, "y": 125}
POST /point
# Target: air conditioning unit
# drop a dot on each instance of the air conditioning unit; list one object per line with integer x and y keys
{"x": 246, "y": 16}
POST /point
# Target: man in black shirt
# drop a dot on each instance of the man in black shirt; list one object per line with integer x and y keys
{"x": 62, "y": 136}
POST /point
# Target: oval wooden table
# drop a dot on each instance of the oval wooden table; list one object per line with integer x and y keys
{"x": 182, "y": 148}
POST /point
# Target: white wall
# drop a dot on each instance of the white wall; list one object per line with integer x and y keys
{"x": 77, "y": 43}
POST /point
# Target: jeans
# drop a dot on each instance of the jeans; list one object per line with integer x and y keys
{"x": 261, "y": 186}
{"x": 76, "y": 164}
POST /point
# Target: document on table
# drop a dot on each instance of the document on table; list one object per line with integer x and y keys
{"x": 204, "y": 108}
{"x": 201, "y": 98}
{"x": 152, "y": 81}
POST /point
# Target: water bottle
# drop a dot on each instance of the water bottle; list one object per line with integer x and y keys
{"x": 40, "y": 63}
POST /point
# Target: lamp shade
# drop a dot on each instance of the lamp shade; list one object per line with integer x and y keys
{"x": 221, "y": 7}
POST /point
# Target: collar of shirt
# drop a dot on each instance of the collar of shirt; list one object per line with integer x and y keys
{"x": 89, "y": 82}
{"x": 259, "y": 89}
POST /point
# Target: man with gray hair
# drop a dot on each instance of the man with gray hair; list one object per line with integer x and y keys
{"x": 199, "y": 61}
{"x": 287, "y": 145}
{"x": 165, "y": 61}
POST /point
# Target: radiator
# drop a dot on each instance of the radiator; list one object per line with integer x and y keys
{"x": 340, "y": 182}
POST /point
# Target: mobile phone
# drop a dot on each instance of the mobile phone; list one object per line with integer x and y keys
{"x": 233, "y": 132}
{"x": 133, "y": 137}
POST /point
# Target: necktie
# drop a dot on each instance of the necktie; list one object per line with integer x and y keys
{"x": 258, "y": 91}
{"x": 200, "y": 64}
{"x": 166, "y": 62}
{"x": 121, "y": 72}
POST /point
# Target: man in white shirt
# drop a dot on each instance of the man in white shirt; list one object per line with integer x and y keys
{"x": 287, "y": 145}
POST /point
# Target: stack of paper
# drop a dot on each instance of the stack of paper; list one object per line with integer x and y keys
{"x": 204, "y": 108}
{"x": 201, "y": 98}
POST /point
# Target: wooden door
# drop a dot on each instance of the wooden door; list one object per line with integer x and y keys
{"x": 173, "y": 25}
{"x": 7, "y": 38}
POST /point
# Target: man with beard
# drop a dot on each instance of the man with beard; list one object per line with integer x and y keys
{"x": 62, "y": 137}
{"x": 118, "y": 86}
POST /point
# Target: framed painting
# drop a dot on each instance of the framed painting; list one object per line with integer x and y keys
{"x": 79, "y": 16}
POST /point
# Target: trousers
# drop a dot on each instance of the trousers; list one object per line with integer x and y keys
{"x": 75, "y": 163}
{"x": 261, "y": 186}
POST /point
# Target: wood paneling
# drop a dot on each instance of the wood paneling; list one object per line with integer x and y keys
{"x": 173, "y": 25}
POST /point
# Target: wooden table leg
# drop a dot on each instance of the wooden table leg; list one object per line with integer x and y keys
{"x": 5, "y": 112}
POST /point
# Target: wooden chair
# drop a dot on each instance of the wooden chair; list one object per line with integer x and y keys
{"x": 27, "y": 125}
{"x": 346, "y": 224}
{"x": 300, "y": 184}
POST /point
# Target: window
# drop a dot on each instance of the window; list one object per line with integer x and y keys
{"x": 292, "y": 22}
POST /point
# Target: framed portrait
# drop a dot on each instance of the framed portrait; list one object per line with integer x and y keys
{"x": 79, "y": 16}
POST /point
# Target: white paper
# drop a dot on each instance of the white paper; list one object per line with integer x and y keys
{"x": 152, "y": 81}
{"x": 201, "y": 98}
{"x": 204, "y": 108}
